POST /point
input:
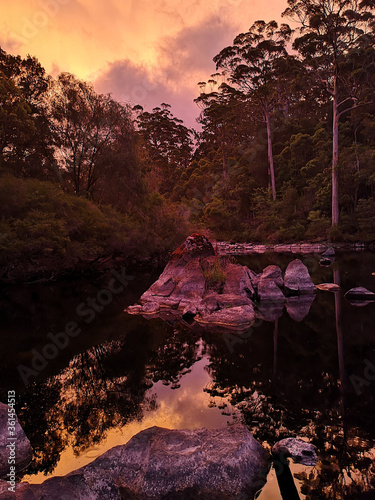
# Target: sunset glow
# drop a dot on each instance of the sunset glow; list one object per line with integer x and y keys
{"x": 144, "y": 52}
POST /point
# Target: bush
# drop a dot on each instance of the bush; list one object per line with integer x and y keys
{"x": 216, "y": 274}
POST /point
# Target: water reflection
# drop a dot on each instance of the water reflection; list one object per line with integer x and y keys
{"x": 288, "y": 377}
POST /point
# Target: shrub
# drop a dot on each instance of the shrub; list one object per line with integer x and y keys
{"x": 216, "y": 274}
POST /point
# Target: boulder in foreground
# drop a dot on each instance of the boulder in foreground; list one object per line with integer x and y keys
{"x": 161, "y": 463}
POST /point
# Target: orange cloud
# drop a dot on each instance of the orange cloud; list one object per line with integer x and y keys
{"x": 171, "y": 41}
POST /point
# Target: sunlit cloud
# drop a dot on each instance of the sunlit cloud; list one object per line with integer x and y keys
{"x": 120, "y": 45}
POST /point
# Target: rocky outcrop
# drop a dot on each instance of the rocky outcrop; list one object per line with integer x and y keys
{"x": 210, "y": 291}
{"x": 300, "y": 451}
{"x": 22, "y": 448}
{"x": 161, "y": 463}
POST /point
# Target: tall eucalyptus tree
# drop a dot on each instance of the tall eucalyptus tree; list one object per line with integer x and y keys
{"x": 251, "y": 66}
{"x": 331, "y": 32}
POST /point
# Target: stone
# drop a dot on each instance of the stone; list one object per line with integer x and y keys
{"x": 328, "y": 287}
{"x": 196, "y": 245}
{"x": 297, "y": 279}
{"x": 187, "y": 290}
{"x": 273, "y": 273}
{"x": 189, "y": 310}
{"x": 269, "y": 291}
{"x": 300, "y": 451}
{"x": 150, "y": 308}
{"x": 254, "y": 278}
{"x": 23, "y": 451}
{"x": 230, "y": 318}
{"x": 136, "y": 309}
{"x": 161, "y": 463}
{"x": 238, "y": 281}
{"x": 360, "y": 293}
{"x": 166, "y": 288}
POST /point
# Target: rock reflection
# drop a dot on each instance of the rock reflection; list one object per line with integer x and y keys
{"x": 101, "y": 389}
{"x": 294, "y": 392}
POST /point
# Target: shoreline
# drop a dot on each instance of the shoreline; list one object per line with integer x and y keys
{"x": 227, "y": 248}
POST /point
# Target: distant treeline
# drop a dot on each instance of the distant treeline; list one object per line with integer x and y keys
{"x": 286, "y": 149}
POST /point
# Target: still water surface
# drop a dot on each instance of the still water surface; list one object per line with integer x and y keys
{"x": 122, "y": 374}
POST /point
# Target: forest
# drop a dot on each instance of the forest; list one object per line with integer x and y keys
{"x": 283, "y": 151}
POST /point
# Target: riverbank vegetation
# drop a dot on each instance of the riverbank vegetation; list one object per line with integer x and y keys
{"x": 285, "y": 150}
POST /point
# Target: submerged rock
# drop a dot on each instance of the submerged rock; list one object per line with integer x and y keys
{"x": 161, "y": 463}
{"x": 22, "y": 448}
{"x": 359, "y": 294}
{"x": 328, "y": 287}
{"x": 300, "y": 451}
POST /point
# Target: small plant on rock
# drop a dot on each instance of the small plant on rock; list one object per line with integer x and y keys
{"x": 215, "y": 275}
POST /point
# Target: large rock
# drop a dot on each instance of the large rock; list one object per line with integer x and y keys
{"x": 202, "y": 289}
{"x": 23, "y": 451}
{"x": 183, "y": 287}
{"x": 273, "y": 273}
{"x": 160, "y": 463}
{"x": 297, "y": 279}
{"x": 269, "y": 291}
{"x": 300, "y": 451}
{"x": 238, "y": 281}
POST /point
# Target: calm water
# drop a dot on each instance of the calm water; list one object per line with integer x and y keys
{"x": 121, "y": 374}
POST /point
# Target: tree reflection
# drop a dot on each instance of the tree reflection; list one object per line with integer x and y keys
{"x": 78, "y": 406}
{"x": 102, "y": 388}
{"x": 283, "y": 386}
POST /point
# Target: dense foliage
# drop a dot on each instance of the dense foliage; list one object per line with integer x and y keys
{"x": 286, "y": 149}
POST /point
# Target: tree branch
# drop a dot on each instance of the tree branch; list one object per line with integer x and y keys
{"x": 353, "y": 107}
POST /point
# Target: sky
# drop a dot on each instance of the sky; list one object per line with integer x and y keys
{"x": 143, "y": 52}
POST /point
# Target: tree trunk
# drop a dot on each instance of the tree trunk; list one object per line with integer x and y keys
{"x": 270, "y": 154}
{"x": 335, "y": 157}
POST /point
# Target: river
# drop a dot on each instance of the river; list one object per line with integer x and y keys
{"x": 117, "y": 374}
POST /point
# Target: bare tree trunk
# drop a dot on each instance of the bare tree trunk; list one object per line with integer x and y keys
{"x": 270, "y": 154}
{"x": 335, "y": 157}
